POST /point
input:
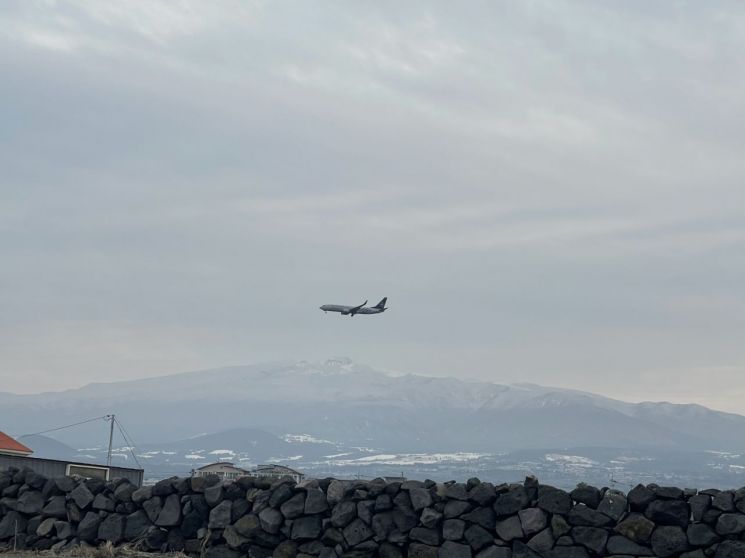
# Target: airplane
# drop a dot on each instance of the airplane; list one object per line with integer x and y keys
{"x": 351, "y": 311}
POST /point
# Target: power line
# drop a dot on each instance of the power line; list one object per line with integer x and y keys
{"x": 127, "y": 440}
{"x": 63, "y": 427}
{"x": 122, "y": 431}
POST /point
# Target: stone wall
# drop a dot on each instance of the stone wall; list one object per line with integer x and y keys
{"x": 330, "y": 518}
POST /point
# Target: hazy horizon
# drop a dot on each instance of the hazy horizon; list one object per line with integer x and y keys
{"x": 549, "y": 192}
{"x": 394, "y": 373}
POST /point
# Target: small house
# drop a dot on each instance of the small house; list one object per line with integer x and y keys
{"x": 9, "y": 446}
{"x": 276, "y": 472}
{"x": 223, "y": 469}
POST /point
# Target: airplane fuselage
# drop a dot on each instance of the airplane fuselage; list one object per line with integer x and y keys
{"x": 353, "y": 310}
{"x": 346, "y": 310}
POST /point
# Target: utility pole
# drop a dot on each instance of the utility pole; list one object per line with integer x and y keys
{"x": 111, "y": 438}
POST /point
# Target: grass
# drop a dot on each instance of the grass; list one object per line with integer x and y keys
{"x": 106, "y": 550}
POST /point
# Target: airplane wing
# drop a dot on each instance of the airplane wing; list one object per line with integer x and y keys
{"x": 353, "y": 311}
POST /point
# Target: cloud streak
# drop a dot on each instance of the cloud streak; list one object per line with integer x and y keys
{"x": 547, "y": 191}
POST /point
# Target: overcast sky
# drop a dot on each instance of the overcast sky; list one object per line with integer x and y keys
{"x": 547, "y": 191}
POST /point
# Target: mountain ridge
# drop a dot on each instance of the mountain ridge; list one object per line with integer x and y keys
{"x": 351, "y": 403}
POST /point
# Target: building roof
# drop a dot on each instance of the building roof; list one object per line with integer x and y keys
{"x": 9, "y": 445}
{"x": 225, "y": 464}
{"x": 277, "y": 469}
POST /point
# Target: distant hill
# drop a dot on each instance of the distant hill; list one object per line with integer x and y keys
{"x": 48, "y": 448}
{"x": 347, "y": 404}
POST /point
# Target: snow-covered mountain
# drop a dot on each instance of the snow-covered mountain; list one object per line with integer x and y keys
{"x": 346, "y": 403}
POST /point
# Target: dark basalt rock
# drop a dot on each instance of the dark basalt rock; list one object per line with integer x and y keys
{"x": 220, "y": 516}
{"x": 142, "y": 494}
{"x": 271, "y": 520}
{"x": 587, "y": 495}
{"x": 532, "y": 520}
{"x": 521, "y": 550}
{"x": 308, "y": 527}
{"x": 101, "y": 502}
{"x": 484, "y": 517}
{"x": 668, "y": 541}
{"x": 239, "y": 508}
{"x": 358, "y": 531}
{"x": 123, "y": 492}
{"x": 429, "y": 517}
{"x": 418, "y": 550}
{"x": 559, "y": 526}
{"x": 453, "y": 529}
{"x": 213, "y": 495}
{"x": 234, "y": 539}
{"x": 248, "y": 525}
{"x": 56, "y": 507}
{"x": 482, "y": 494}
{"x": 343, "y": 513}
{"x": 170, "y": 515}
{"x": 700, "y": 534}
{"x": 11, "y": 522}
{"x": 639, "y": 497}
{"x": 88, "y": 527}
{"x": 510, "y": 529}
{"x": 668, "y": 512}
{"x": 163, "y": 488}
{"x": 383, "y": 525}
{"x": 280, "y": 495}
{"x": 455, "y": 491}
{"x": 65, "y": 484}
{"x": 424, "y": 535}
{"x": 666, "y": 492}
{"x": 405, "y": 520}
{"x": 593, "y": 538}
{"x": 64, "y": 530}
{"x": 613, "y": 504}
{"x": 730, "y": 549}
{"x": 112, "y": 529}
{"x": 137, "y": 525}
{"x": 386, "y": 550}
{"x": 699, "y": 504}
{"x": 315, "y": 501}
{"x": 478, "y": 537}
{"x": 153, "y": 507}
{"x": 543, "y": 541}
{"x": 222, "y": 551}
{"x": 252, "y": 517}
{"x": 175, "y": 541}
{"x": 730, "y": 524}
{"x": 567, "y": 552}
{"x": 495, "y": 552}
{"x": 724, "y": 501}
{"x": 30, "y": 503}
{"x": 553, "y": 500}
{"x": 636, "y": 527}
{"x": 35, "y": 480}
{"x": 420, "y": 498}
{"x": 588, "y": 517}
{"x": 234, "y": 491}
{"x": 50, "y": 489}
{"x": 455, "y": 508}
{"x": 95, "y": 485}
{"x": 511, "y": 502}
{"x": 46, "y": 527}
{"x": 455, "y": 550}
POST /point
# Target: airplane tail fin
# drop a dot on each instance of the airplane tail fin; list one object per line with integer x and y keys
{"x": 381, "y": 305}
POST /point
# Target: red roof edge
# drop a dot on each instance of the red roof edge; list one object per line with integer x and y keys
{"x": 9, "y": 444}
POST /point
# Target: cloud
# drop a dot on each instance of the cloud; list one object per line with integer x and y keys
{"x": 546, "y": 191}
